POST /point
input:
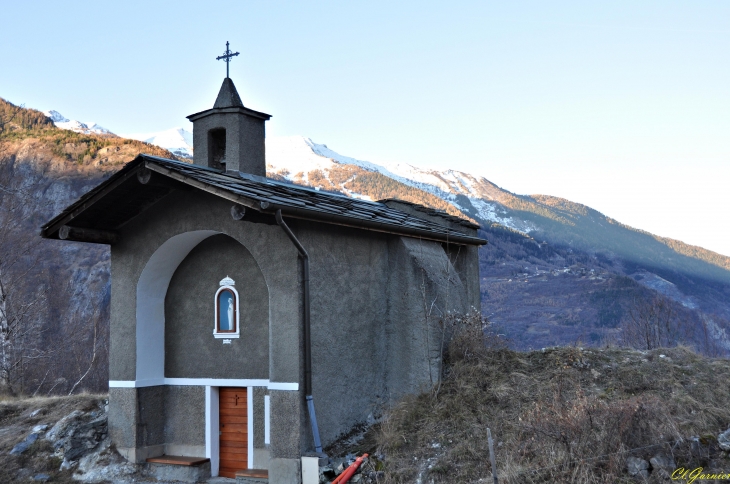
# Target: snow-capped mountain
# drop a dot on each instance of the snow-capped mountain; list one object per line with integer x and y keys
{"x": 552, "y": 234}
{"x": 294, "y": 157}
{"x": 540, "y": 217}
{"x": 87, "y": 128}
{"x": 176, "y": 140}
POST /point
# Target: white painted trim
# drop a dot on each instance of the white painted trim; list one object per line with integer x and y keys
{"x": 228, "y": 336}
{"x": 217, "y": 382}
{"x": 214, "y": 382}
{"x": 121, "y": 384}
{"x": 277, "y": 385}
{"x": 267, "y": 420}
{"x": 235, "y": 334}
{"x": 153, "y": 382}
{"x": 212, "y": 441}
{"x": 249, "y": 417}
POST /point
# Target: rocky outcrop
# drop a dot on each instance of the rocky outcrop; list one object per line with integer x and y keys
{"x": 723, "y": 440}
{"x": 79, "y": 440}
{"x": 637, "y": 467}
{"x": 77, "y": 434}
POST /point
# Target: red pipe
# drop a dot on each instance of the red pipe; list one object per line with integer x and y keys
{"x": 350, "y": 471}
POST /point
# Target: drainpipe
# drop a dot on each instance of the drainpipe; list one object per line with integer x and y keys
{"x": 307, "y": 331}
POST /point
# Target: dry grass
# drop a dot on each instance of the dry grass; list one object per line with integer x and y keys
{"x": 15, "y": 424}
{"x": 552, "y": 414}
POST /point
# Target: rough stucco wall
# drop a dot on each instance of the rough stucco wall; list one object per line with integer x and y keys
{"x": 200, "y": 141}
{"x": 369, "y": 334}
{"x": 423, "y": 287}
{"x": 125, "y": 272}
{"x": 258, "y": 417}
{"x": 184, "y": 212}
{"x": 123, "y": 416}
{"x": 371, "y": 339}
{"x": 252, "y": 148}
{"x": 189, "y": 211}
{"x": 185, "y": 415}
{"x": 191, "y": 351}
{"x": 151, "y": 423}
{"x": 285, "y": 443}
{"x": 348, "y": 268}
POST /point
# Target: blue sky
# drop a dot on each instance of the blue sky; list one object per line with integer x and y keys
{"x": 623, "y": 106}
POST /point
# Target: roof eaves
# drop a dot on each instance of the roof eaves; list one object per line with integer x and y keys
{"x": 229, "y": 109}
{"x": 248, "y": 190}
{"x": 50, "y": 228}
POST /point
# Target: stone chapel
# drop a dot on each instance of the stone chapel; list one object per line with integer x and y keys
{"x": 254, "y": 321}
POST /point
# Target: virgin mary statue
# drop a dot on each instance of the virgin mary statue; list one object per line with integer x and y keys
{"x": 230, "y": 313}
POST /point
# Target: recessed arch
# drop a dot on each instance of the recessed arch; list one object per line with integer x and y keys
{"x": 151, "y": 290}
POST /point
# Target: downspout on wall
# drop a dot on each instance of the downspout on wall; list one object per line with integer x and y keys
{"x": 307, "y": 331}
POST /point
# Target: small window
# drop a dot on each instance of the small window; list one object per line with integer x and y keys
{"x": 217, "y": 148}
{"x": 226, "y": 310}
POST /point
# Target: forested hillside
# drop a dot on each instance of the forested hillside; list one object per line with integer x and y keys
{"x": 54, "y": 297}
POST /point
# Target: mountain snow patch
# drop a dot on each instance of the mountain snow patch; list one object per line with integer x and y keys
{"x": 177, "y": 141}
{"x": 86, "y": 128}
{"x": 291, "y": 155}
{"x": 490, "y": 212}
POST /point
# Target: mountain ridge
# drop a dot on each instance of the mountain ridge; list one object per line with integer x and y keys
{"x": 554, "y": 271}
{"x": 86, "y": 128}
{"x": 475, "y": 197}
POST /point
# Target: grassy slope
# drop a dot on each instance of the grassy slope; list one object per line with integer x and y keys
{"x": 552, "y": 410}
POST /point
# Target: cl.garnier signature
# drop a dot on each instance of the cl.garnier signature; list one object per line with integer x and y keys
{"x": 697, "y": 474}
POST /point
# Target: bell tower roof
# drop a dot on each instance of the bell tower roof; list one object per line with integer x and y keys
{"x": 228, "y": 101}
{"x": 228, "y": 96}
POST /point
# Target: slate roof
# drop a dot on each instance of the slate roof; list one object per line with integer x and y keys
{"x": 121, "y": 197}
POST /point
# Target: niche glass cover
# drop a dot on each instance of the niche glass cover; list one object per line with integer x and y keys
{"x": 226, "y": 310}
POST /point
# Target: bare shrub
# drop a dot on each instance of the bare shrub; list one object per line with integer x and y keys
{"x": 653, "y": 323}
{"x": 22, "y": 301}
{"x": 470, "y": 336}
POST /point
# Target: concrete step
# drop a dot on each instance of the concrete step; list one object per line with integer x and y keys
{"x": 179, "y": 468}
{"x": 252, "y": 476}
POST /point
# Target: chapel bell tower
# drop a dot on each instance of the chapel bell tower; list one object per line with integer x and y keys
{"x": 229, "y": 136}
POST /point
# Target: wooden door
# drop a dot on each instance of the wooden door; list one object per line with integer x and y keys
{"x": 233, "y": 423}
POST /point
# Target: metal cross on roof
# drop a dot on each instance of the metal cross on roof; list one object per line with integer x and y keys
{"x": 227, "y": 57}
